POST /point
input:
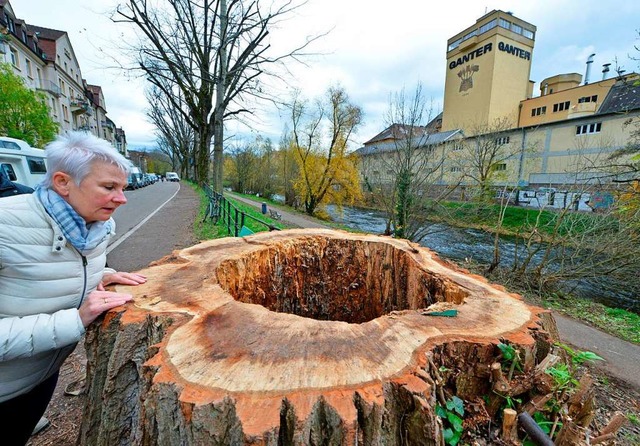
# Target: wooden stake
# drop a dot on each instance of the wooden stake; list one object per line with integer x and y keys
{"x": 500, "y": 384}
{"x": 508, "y": 424}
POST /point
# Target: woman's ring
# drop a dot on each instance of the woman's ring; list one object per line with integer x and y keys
{"x": 105, "y": 300}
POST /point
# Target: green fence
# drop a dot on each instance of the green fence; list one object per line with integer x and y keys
{"x": 221, "y": 209}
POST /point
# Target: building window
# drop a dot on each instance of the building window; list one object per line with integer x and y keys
{"x": 527, "y": 33}
{"x": 487, "y": 26}
{"x": 24, "y": 36}
{"x": 516, "y": 28}
{"x": 455, "y": 169}
{"x": 455, "y": 44}
{"x": 457, "y": 147}
{"x": 593, "y": 98}
{"x": 470, "y": 35}
{"x": 29, "y": 68}
{"x": 539, "y": 111}
{"x": 39, "y": 76}
{"x": 15, "y": 60}
{"x": 500, "y": 166}
{"x": 586, "y": 129}
{"x": 560, "y": 106}
{"x": 505, "y": 24}
{"x": 502, "y": 140}
{"x": 10, "y": 24}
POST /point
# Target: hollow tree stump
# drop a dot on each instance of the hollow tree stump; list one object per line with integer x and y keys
{"x": 299, "y": 337}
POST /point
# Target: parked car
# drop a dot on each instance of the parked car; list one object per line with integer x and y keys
{"x": 22, "y": 163}
{"x": 133, "y": 182}
{"x": 172, "y": 176}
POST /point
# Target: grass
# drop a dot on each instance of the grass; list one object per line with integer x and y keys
{"x": 615, "y": 321}
{"x": 205, "y": 229}
{"x": 516, "y": 219}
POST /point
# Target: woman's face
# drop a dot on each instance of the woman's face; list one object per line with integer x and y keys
{"x": 99, "y": 194}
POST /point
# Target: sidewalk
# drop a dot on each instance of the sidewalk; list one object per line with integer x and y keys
{"x": 622, "y": 358}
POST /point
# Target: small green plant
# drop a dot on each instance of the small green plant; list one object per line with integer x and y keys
{"x": 565, "y": 383}
{"x": 512, "y": 356}
{"x": 452, "y": 412}
{"x": 633, "y": 419}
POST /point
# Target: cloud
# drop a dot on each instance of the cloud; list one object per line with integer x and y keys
{"x": 372, "y": 49}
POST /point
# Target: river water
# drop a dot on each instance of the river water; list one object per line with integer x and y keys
{"x": 460, "y": 244}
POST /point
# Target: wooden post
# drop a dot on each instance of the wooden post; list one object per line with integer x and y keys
{"x": 509, "y": 425}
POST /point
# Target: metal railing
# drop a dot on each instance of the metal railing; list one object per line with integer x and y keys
{"x": 221, "y": 209}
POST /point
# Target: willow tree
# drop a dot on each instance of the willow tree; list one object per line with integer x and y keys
{"x": 327, "y": 173}
{"x": 215, "y": 53}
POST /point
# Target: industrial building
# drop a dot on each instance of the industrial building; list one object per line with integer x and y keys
{"x": 561, "y": 136}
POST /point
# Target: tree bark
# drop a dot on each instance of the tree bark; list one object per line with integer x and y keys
{"x": 300, "y": 337}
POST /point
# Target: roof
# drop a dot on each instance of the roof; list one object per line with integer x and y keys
{"x": 47, "y": 33}
{"x": 96, "y": 91}
{"x": 624, "y": 96}
{"x": 389, "y": 146}
{"x": 396, "y": 131}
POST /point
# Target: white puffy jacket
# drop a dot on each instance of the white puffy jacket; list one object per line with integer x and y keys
{"x": 43, "y": 281}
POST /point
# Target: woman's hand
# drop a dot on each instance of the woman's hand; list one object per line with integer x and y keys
{"x": 100, "y": 301}
{"x": 123, "y": 279}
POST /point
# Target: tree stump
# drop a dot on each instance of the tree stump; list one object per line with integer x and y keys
{"x": 299, "y": 337}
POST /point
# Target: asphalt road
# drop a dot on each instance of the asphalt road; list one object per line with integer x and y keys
{"x": 156, "y": 220}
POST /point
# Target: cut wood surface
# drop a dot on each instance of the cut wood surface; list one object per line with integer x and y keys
{"x": 298, "y": 337}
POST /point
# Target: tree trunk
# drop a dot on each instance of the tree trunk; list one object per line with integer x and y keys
{"x": 300, "y": 337}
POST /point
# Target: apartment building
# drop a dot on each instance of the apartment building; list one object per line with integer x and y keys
{"x": 45, "y": 59}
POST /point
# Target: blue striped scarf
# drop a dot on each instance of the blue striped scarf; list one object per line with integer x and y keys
{"x": 84, "y": 237}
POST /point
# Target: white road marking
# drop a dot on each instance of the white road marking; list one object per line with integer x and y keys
{"x": 130, "y": 232}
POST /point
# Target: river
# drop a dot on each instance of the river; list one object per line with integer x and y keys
{"x": 460, "y": 244}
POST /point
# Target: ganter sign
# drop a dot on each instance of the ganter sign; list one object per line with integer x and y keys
{"x": 470, "y": 56}
{"x": 523, "y": 54}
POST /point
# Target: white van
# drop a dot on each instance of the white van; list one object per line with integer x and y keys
{"x": 172, "y": 176}
{"x": 22, "y": 163}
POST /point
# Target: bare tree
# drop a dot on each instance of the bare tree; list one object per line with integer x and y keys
{"x": 559, "y": 247}
{"x": 174, "y": 136}
{"x": 401, "y": 176}
{"x": 214, "y": 52}
{"x": 485, "y": 155}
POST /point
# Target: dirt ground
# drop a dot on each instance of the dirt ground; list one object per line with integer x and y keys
{"x": 65, "y": 411}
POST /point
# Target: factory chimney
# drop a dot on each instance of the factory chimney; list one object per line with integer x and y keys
{"x": 589, "y": 62}
{"x": 605, "y": 70}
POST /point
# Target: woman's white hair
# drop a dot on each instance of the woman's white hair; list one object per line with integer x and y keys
{"x": 75, "y": 152}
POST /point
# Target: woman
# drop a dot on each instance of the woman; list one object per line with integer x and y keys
{"x": 52, "y": 272}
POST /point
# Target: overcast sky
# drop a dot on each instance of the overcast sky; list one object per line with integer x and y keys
{"x": 374, "y": 48}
